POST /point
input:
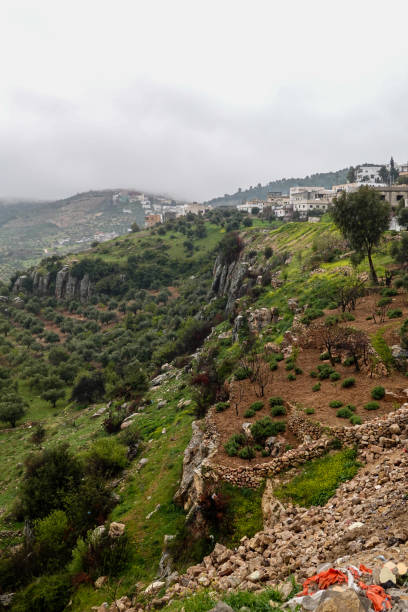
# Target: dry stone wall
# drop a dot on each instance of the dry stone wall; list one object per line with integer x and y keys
{"x": 372, "y": 437}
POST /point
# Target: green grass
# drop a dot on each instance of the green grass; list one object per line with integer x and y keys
{"x": 244, "y": 514}
{"x": 205, "y": 600}
{"x": 319, "y": 479}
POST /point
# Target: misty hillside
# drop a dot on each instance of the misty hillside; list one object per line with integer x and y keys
{"x": 321, "y": 179}
{"x": 30, "y": 231}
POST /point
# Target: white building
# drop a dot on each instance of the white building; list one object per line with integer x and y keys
{"x": 368, "y": 174}
{"x": 309, "y": 200}
{"x": 248, "y": 206}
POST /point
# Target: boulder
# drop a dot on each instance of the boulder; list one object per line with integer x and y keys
{"x": 154, "y": 587}
{"x": 116, "y": 530}
{"x": 221, "y": 607}
{"x": 341, "y": 601}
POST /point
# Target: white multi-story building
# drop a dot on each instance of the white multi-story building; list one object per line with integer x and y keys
{"x": 248, "y": 206}
{"x": 368, "y": 174}
{"x": 309, "y": 200}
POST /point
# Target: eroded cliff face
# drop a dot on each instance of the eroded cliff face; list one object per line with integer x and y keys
{"x": 64, "y": 286}
{"x": 232, "y": 280}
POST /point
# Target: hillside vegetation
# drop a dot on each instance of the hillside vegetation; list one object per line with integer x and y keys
{"x": 99, "y": 397}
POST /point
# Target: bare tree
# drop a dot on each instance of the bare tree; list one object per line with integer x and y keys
{"x": 357, "y": 344}
{"x": 329, "y": 336}
{"x": 348, "y": 293}
{"x": 258, "y": 372}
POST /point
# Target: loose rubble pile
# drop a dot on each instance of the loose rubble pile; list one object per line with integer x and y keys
{"x": 366, "y": 514}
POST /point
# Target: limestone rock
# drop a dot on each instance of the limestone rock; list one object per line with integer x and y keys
{"x": 116, "y": 529}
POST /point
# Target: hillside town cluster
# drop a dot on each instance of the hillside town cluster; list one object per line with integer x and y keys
{"x": 312, "y": 201}
{"x": 302, "y": 202}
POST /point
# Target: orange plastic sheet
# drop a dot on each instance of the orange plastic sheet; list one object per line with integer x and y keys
{"x": 378, "y": 597}
{"x": 375, "y": 593}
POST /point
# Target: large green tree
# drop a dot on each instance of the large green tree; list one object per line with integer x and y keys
{"x": 12, "y": 408}
{"x": 362, "y": 217}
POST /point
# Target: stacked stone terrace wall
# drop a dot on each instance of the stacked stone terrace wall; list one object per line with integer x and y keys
{"x": 377, "y": 434}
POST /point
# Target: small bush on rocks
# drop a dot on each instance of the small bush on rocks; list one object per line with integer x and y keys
{"x": 221, "y": 406}
{"x": 349, "y": 361}
{"x": 266, "y": 427}
{"x": 310, "y": 410}
{"x": 378, "y": 393}
{"x": 348, "y": 382}
{"x": 234, "y": 443}
{"x": 242, "y": 373}
{"x": 278, "y": 411}
{"x": 372, "y": 406}
{"x": 246, "y": 453}
{"x": 355, "y": 419}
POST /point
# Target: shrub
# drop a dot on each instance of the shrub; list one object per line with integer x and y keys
{"x": 100, "y": 554}
{"x": 334, "y": 376}
{"x": 310, "y": 315}
{"x": 344, "y": 413}
{"x": 50, "y": 475}
{"x": 246, "y": 453}
{"x": 394, "y": 313}
{"x": 314, "y": 374}
{"x": 298, "y": 371}
{"x": 278, "y": 411}
{"x": 273, "y": 366}
{"x": 289, "y": 365}
{"x": 52, "y": 543}
{"x": 257, "y": 406}
{"x": 316, "y": 387}
{"x": 385, "y": 301}
{"x": 389, "y": 292}
{"x": 349, "y": 361}
{"x": 234, "y": 443}
{"x": 114, "y": 420}
{"x": 324, "y": 356}
{"x": 291, "y": 377}
{"x": 88, "y": 388}
{"x": 348, "y": 382}
{"x": 324, "y": 371}
{"x": 221, "y": 406}
{"x": 264, "y": 428}
{"x": 12, "y": 408}
{"x": 335, "y": 404}
{"x": 355, "y": 419}
{"x": 351, "y": 407}
{"x": 275, "y": 401}
{"x": 249, "y": 413}
{"x": 106, "y": 457}
{"x": 310, "y": 411}
{"x": 279, "y": 357}
{"x": 242, "y": 373}
{"x": 47, "y": 593}
{"x": 372, "y": 406}
{"x": 378, "y": 393}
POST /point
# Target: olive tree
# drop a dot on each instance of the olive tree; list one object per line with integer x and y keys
{"x": 362, "y": 217}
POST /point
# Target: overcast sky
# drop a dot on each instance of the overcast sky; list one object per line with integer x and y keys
{"x": 196, "y": 98}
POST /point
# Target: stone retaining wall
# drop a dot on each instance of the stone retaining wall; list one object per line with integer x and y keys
{"x": 382, "y": 432}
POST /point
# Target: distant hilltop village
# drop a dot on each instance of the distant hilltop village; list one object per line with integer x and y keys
{"x": 311, "y": 202}
{"x": 301, "y": 203}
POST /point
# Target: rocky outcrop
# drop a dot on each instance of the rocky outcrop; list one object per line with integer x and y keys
{"x": 202, "y": 445}
{"x": 69, "y": 287}
{"x": 229, "y": 280}
{"x": 64, "y": 286}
